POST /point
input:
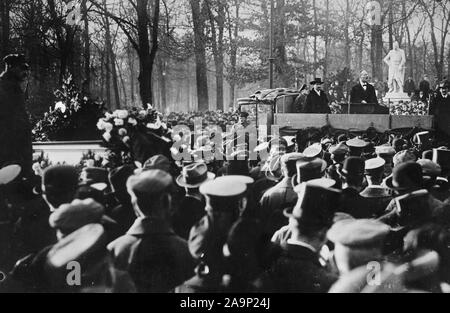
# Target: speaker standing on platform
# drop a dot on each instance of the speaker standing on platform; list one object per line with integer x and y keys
{"x": 15, "y": 128}
{"x": 364, "y": 93}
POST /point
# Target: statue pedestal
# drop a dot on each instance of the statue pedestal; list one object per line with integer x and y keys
{"x": 396, "y": 97}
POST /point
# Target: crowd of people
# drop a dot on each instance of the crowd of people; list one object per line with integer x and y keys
{"x": 319, "y": 216}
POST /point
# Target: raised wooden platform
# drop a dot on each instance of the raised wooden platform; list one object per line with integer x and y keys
{"x": 353, "y": 122}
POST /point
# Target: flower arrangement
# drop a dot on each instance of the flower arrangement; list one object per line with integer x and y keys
{"x": 122, "y": 130}
{"x": 71, "y": 118}
{"x": 92, "y": 159}
{"x": 41, "y": 161}
{"x": 414, "y": 108}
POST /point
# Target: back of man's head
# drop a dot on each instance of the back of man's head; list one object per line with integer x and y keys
{"x": 59, "y": 184}
{"x": 150, "y": 191}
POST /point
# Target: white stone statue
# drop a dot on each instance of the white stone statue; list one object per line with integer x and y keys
{"x": 396, "y": 60}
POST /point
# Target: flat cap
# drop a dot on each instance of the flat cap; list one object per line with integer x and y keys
{"x": 385, "y": 151}
{"x": 70, "y": 217}
{"x": 313, "y": 151}
{"x": 429, "y": 168}
{"x": 78, "y": 246}
{"x": 157, "y": 162}
{"x": 292, "y": 157}
{"x": 223, "y": 188}
{"x": 404, "y": 157}
{"x": 357, "y": 143}
{"x": 150, "y": 182}
{"x": 363, "y": 233}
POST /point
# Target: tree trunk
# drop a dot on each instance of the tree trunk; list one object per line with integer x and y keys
{"x": 132, "y": 73}
{"x": 108, "y": 79}
{"x": 4, "y": 27}
{"x": 112, "y": 62}
{"x": 162, "y": 70}
{"x": 233, "y": 52}
{"x": 218, "y": 47}
{"x": 283, "y": 71}
{"x": 327, "y": 40}
{"x": 347, "y": 36}
{"x": 315, "y": 37}
{"x": 87, "y": 51}
{"x": 198, "y": 19}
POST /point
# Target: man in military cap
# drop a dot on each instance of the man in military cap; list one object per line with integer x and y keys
{"x": 299, "y": 269}
{"x": 156, "y": 258}
{"x": 224, "y": 201}
{"x": 377, "y": 197}
{"x": 357, "y": 243}
{"x": 15, "y": 128}
{"x": 387, "y": 153}
{"x": 357, "y": 146}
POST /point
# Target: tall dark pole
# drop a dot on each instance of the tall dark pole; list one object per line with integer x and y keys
{"x": 270, "y": 119}
{"x": 271, "y": 56}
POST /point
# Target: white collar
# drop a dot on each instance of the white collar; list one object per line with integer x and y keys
{"x": 318, "y": 92}
{"x": 301, "y": 244}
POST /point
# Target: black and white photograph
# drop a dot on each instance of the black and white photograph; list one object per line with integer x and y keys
{"x": 208, "y": 148}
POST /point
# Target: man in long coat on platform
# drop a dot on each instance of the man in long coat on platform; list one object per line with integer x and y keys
{"x": 15, "y": 127}
{"x": 317, "y": 101}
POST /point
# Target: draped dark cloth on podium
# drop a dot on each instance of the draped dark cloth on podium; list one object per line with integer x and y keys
{"x": 15, "y": 127}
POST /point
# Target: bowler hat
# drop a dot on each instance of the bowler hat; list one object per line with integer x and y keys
{"x": 317, "y": 81}
{"x": 353, "y": 167}
{"x": 316, "y": 205}
{"x": 60, "y": 179}
{"x": 406, "y": 176}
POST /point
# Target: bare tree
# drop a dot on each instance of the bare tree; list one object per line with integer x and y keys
{"x": 199, "y": 21}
